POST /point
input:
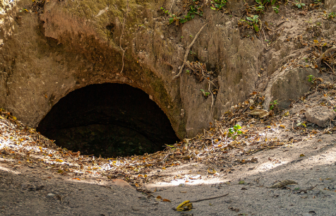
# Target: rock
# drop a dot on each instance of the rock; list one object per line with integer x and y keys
{"x": 320, "y": 115}
{"x": 290, "y": 85}
{"x": 50, "y": 195}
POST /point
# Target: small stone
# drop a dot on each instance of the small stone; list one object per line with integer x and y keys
{"x": 320, "y": 115}
{"x": 50, "y": 195}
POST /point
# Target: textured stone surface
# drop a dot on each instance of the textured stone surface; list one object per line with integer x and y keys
{"x": 320, "y": 115}
{"x": 291, "y": 85}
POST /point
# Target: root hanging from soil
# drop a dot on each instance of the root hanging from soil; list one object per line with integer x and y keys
{"x": 187, "y": 51}
{"x": 121, "y": 35}
{"x": 319, "y": 60}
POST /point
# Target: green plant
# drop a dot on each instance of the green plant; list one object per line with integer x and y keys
{"x": 205, "y": 94}
{"x": 311, "y": 78}
{"x": 273, "y": 104}
{"x": 235, "y": 131}
{"x": 331, "y": 15}
{"x": 241, "y": 182}
{"x": 181, "y": 37}
{"x": 276, "y": 9}
{"x": 194, "y": 10}
{"x": 260, "y": 7}
{"x": 187, "y": 71}
{"x": 218, "y": 4}
{"x": 24, "y": 10}
{"x": 254, "y": 21}
{"x": 299, "y": 4}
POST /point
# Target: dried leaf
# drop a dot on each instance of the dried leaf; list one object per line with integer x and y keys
{"x": 184, "y": 206}
{"x": 283, "y": 184}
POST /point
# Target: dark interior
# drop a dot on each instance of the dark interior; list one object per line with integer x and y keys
{"x": 108, "y": 120}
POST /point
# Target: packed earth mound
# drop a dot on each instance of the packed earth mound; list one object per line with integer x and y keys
{"x": 249, "y": 158}
{"x": 253, "y": 107}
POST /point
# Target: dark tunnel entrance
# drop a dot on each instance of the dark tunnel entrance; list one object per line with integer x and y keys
{"x": 109, "y": 120}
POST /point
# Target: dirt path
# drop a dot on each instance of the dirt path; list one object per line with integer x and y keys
{"x": 32, "y": 191}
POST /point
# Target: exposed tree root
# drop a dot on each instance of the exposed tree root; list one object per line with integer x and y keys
{"x": 121, "y": 35}
{"x": 187, "y": 51}
{"x": 319, "y": 60}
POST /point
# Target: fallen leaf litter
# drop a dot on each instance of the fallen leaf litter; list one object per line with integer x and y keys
{"x": 217, "y": 147}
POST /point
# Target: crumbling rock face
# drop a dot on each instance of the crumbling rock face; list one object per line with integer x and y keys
{"x": 68, "y": 45}
{"x": 320, "y": 115}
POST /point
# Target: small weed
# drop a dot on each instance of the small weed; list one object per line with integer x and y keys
{"x": 331, "y": 15}
{"x": 205, "y": 94}
{"x": 260, "y": 7}
{"x": 241, "y": 182}
{"x": 311, "y": 78}
{"x": 276, "y": 9}
{"x": 218, "y": 4}
{"x": 24, "y": 10}
{"x": 181, "y": 37}
{"x": 273, "y": 104}
{"x": 235, "y": 131}
{"x": 297, "y": 188}
{"x": 254, "y": 21}
{"x": 188, "y": 71}
{"x": 194, "y": 10}
{"x": 191, "y": 36}
{"x": 299, "y": 4}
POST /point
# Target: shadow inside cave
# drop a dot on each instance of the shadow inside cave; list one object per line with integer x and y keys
{"x": 108, "y": 120}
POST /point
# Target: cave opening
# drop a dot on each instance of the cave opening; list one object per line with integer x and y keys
{"x": 108, "y": 120}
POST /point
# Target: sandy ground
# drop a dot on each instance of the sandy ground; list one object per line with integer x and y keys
{"x": 34, "y": 191}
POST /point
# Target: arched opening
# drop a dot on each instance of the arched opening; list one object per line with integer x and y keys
{"x": 108, "y": 120}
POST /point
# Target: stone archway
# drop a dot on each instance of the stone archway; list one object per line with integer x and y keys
{"x": 109, "y": 120}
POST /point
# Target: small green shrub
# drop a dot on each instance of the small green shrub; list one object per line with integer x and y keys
{"x": 235, "y": 131}
{"x": 205, "y": 94}
{"x": 254, "y": 21}
{"x": 218, "y": 4}
{"x": 299, "y": 4}
{"x": 276, "y": 9}
{"x": 273, "y": 104}
{"x": 311, "y": 78}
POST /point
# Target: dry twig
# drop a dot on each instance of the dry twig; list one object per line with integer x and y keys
{"x": 319, "y": 60}
{"x": 187, "y": 51}
{"x": 121, "y": 35}
{"x": 209, "y": 198}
